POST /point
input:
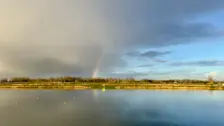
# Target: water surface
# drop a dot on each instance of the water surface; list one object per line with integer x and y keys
{"x": 111, "y": 108}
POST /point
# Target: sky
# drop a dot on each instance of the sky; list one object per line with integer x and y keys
{"x": 152, "y": 39}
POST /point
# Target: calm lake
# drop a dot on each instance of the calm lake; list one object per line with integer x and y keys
{"x": 111, "y": 108}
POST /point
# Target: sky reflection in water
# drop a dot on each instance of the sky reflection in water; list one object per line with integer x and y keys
{"x": 111, "y": 108}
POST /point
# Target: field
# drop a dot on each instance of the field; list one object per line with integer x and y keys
{"x": 73, "y": 86}
{"x": 75, "y": 83}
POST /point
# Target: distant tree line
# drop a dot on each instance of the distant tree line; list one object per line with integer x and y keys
{"x": 100, "y": 80}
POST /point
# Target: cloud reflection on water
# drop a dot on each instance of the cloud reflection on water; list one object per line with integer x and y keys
{"x": 110, "y": 108}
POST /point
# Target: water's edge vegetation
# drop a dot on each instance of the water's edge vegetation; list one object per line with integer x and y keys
{"x": 108, "y": 83}
{"x": 111, "y": 86}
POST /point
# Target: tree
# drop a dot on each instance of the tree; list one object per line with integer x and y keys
{"x": 4, "y": 80}
{"x": 20, "y": 79}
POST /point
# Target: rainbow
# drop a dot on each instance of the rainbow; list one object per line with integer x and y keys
{"x": 97, "y": 68}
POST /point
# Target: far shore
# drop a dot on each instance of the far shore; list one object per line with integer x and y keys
{"x": 70, "y": 86}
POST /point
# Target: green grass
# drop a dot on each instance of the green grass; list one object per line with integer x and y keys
{"x": 73, "y": 86}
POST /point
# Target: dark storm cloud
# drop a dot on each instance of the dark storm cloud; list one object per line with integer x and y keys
{"x": 20, "y": 61}
{"x": 148, "y": 54}
{"x": 199, "y": 63}
{"x": 160, "y": 60}
{"x": 46, "y": 66}
{"x": 163, "y": 23}
{"x": 70, "y": 37}
{"x": 153, "y": 54}
{"x": 133, "y": 53}
{"x": 166, "y": 34}
{"x": 170, "y": 34}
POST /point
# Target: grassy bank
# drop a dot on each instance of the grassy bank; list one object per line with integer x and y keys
{"x": 73, "y": 86}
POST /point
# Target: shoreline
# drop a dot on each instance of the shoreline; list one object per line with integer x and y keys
{"x": 112, "y": 86}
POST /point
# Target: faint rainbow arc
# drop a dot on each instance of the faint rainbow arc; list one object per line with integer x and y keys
{"x": 97, "y": 68}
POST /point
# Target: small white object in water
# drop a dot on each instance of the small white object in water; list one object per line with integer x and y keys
{"x": 65, "y": 102}
{"x": 37, "y": 98}
{"x": 74, "y": 97}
